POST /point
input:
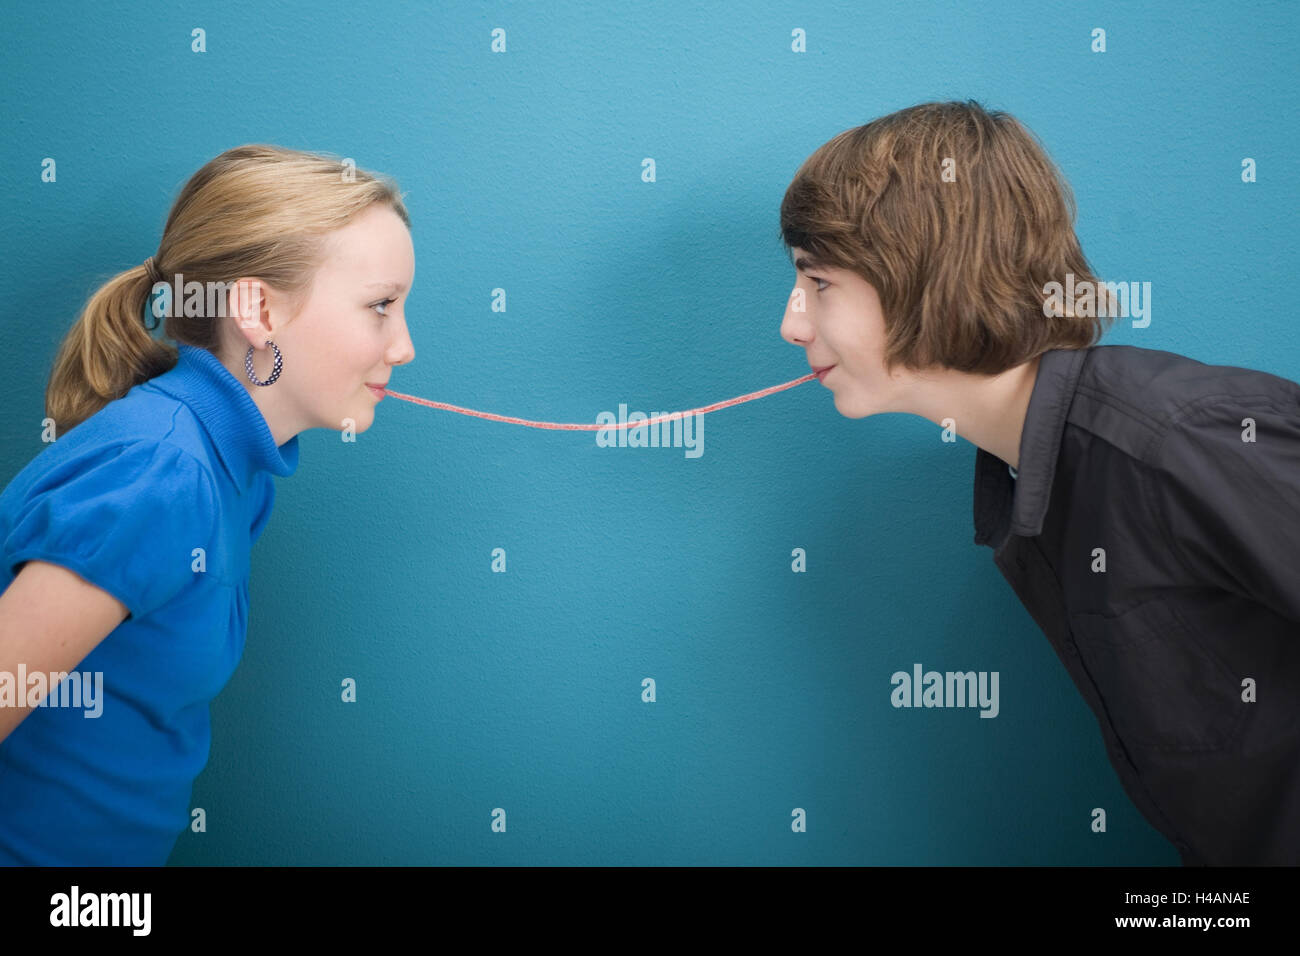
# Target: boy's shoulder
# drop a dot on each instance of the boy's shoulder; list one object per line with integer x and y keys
{"x": 1133, "y": 396}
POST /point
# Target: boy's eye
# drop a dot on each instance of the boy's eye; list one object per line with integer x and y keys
{"x": 383, "y": 305}
{"x": 815, "y": 279}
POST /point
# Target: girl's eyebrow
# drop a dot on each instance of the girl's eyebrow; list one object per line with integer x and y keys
{"x": 388, "y": 285}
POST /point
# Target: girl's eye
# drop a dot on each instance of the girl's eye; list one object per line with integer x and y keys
{"x": 383, "y": 305}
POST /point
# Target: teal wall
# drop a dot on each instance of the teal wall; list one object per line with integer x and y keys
{"x": 522, "y": 170}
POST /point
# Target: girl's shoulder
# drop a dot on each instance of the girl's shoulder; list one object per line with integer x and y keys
{"x": 123, "y": 509}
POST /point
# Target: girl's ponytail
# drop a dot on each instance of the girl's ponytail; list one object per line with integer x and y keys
{"x": 107, "y": 351}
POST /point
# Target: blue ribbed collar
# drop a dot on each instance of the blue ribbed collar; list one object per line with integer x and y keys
{"x": 232, "y": 419}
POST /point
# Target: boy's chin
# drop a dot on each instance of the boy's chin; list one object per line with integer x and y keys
{"x": 850, "y": 408}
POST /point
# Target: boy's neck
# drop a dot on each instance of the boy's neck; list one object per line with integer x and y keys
{"x": 989, "y": 411}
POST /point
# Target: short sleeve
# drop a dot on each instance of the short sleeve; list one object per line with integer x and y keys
{"x": 1231, "y": 507}
{"x": 125, "y": 518}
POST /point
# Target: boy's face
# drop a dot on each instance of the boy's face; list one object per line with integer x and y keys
{"x": 841, "y": 325}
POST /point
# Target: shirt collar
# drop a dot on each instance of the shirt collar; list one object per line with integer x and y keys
{"x": 233, "y": 421}
{"x": 1005, "y": 505}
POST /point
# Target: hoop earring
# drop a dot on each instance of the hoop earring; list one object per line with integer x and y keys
{"x": 279, "y": 364}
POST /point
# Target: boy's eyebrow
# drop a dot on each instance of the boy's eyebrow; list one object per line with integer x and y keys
{"x": 804, "y": 263}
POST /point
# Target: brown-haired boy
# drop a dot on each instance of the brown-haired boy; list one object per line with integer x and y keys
{"x": 1145, "y": 507}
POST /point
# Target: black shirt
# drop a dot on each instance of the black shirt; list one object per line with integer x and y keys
{"x": 1158, "y": 548}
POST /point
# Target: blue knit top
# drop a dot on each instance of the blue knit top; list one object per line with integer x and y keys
{"x": 156, "y": 499}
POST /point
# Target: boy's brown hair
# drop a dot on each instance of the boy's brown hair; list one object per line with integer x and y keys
{"x": 959, "y": 261}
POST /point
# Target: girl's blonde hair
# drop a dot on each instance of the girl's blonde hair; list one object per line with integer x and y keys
{"x": 257, "y": 211}
{"x": 958, "y": 218}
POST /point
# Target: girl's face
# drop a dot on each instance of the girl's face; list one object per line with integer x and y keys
{"x": 352, "y": 329}
{"x": 841, "y": 325}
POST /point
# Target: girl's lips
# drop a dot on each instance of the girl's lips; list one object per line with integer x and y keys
{"x": 375, "y": 390}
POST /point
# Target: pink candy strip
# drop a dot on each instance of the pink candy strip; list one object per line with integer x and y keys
{"x": 575, "y": 426}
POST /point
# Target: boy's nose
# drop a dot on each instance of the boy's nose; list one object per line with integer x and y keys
{"x": 795, "y": 327}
